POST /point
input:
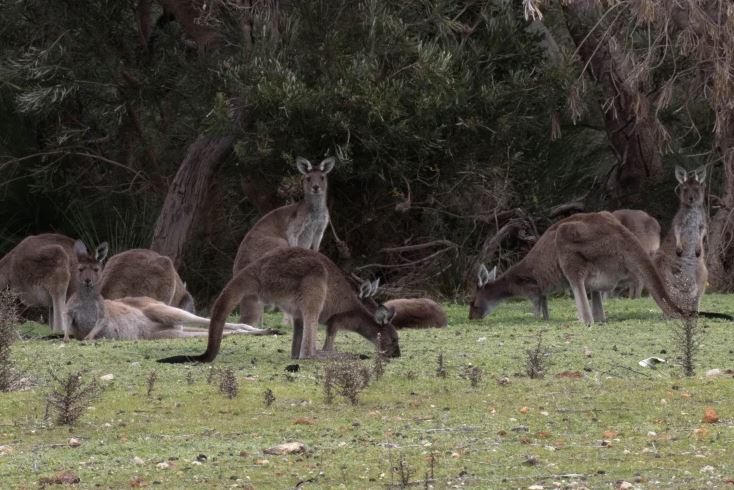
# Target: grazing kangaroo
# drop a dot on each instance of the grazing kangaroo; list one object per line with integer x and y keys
{"x": 39, "y": 269}
{"x": 647, "y": 230}
{"x": 591, "y": 250}
{"x": 90, "y": 316}
{"x": 313, "y": 290}
{"x": 681, "y": 258}
{"x": 301, "y": 224}
{"x": 143, "y": 272}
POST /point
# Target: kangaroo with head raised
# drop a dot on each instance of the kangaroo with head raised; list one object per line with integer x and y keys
{"x": 647, "y": 230}
{"x": 301, "y": 224}
{"x": 143, "y": 272}
{"x": 39, "y": 269}
{"x": 90, "y": 316}
{"x": 586, "y": 250}
{"x": 681, "y": 258}
{"x": 313, "y": 290}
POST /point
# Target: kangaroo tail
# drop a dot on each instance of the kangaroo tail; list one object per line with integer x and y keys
{"x": 226, "y": 302}
{"x": 709, "y": 314}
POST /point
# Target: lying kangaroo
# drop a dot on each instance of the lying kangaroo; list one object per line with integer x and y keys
{"x": 591, "y": 250}
{"x": 681, "y": 258}
{"x": 39, "y": 269}
{"x": 311, "y": 288}
{"x": 647, "y": 230}
{"x": 143, "y": 272}
{"x": 409, "y": 312}
{"x": 301, "y": 224}
{"x": 89, "y": 316}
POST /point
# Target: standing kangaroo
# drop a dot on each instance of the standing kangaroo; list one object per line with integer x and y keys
{"x": 681, "y": 259}
{"x": 143, "y": 272}
{"x": 591, "y": 250}
{"x": 90, "y": 316}
{"x": 40, "y": 269}
{"x": 313, "y": 290}
{"x": 647, "y": 230}
{"x": 301, "y": 224}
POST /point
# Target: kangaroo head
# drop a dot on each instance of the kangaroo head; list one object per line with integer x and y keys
{"x": 692, "y": 186}
{"x": 89, "y": 267}
{"x": 314, "y": 177}
{"x": 489, "y": 294}
{"x": 387, "y": 334}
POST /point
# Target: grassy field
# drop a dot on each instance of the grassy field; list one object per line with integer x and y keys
{"x": 597, "y": 419}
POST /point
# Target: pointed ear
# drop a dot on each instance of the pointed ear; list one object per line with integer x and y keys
{"x": 303, "y": 165}
{"x": 80, "y": 249}
{"x": 327, "y": 165}
{"x": 680, "y": 174}
{"x": 364, "y": 289}
{"x": 374, "y": 286}
{"x": 384, "y": 315}
{"x": 485, "y": 275}
{"x": 101, "y": 252}
{"x": 700, "y": 174}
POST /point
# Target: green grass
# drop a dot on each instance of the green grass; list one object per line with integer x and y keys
{"x": 477, "y": 436}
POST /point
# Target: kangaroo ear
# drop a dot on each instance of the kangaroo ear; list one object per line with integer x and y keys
{"x": 80, "y": 249}
{"x": 101, "y": 252}
{"x": 680, "y": 174}
{"x": 700, "y": 174}
{"x": 485, "y": 275}
{"x": 327, "y": 165}
{"x": 303, "y": 165}
{"x": 384, "y": 315}
{"x": 374, "y": 286}
{"x": 364, "y": 289}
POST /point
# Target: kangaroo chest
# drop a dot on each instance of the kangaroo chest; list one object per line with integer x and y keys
{"x": 84, "y": 317}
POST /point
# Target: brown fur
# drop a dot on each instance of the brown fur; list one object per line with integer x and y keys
{"x": 586, "y": 250}
{"x": 647, "y": 230}
{"x": 681, "y": 258}
{"x": 139, "y": 318}
{"x": 311, "y": 288}
{"x": 39, "y": 269}
{"x": 417, "y": 313}
{"x": 143, "y": 272}
{"x": 301, "y": 224}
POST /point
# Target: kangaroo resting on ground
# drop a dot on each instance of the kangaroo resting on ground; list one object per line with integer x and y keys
{"x": 39, "y": 269}
{"x": 301, "y": 224}
{"x": 90, "y": 316}
{"x": 586, "y": 250}
{"x": 647, "y": 230}
{"x": 143, "y": 272}
{"x": 313, "y": 290}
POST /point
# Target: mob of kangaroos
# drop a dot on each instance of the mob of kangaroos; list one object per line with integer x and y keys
{"x": 90, "y": 316}
{"x": 301, "y": 224}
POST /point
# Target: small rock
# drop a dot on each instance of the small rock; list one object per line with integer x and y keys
{"x": 536, "y": 487}
{"x": 707, "y": 469}
{"x": 287, "y": 448}
{"x": 712, "y": 373}
{"x": 481, "y": 339}
{"x": 624, "y": 485}
{"x": 107, "y": 377}
{"x": 5, "y": 450}
{"x": 60, "y": 478}
{"x": 587, "y": 352}
{"x": 163, "y": 465}
{"x": 201, "y": 458}
{"x": 503, "y": 381}
{"x": 74, "y": 442}
{"x": 138, "y": 460}
{"x": 261, "y": 462}
{"x": 652, "y": 433}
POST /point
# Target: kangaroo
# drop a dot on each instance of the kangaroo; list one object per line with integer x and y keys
{"x": 591, "y": 250}
{"x": 143, "y": 272}
{"x": 39, "y": 270}
{"x": 409, "y": 312}
{"x": 313, "y": 290}
{"x": 300, "y": 224}
{"x": 681, "y": 258}
{"x": 90, "y": 316}
{"x": 647, "y": 230}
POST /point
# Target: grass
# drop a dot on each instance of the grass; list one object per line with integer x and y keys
{"x": 618, "y": 422}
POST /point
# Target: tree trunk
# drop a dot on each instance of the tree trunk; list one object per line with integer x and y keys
{"x": 186, "y": 194}
{"x": 630, "y": 125}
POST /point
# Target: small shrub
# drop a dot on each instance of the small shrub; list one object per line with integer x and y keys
{"x": 70, "y": 396}
{"x": 228, "y": 384}
{"x": 190, "y": 377}
{"x": 9, "y": 376}
{"x": 152, "y": 378}
{"x": 378, "y": 369}
{"x": 475, "y": 376}
{"x": 440, "y": 368}
{"x": 269, "y": 397}
{"x": 210, "y": 375}
{"x": 536, "y": 359}
{"x": 687, "y": 337}
{"x": 345, "y": 378}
